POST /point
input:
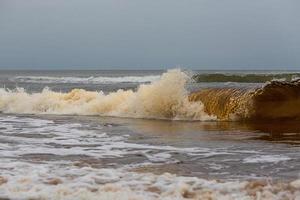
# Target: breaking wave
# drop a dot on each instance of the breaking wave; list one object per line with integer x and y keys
{"x": 166, "y": 98}
{"x": 274, "y": 100}
{"x": 85, "y": 80}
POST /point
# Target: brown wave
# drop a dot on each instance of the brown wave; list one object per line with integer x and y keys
{"x": 275, "y": 100}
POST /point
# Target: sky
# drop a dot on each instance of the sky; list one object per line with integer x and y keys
{"x": 150, "y": 34}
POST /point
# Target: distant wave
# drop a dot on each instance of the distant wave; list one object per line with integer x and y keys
{"x": 85, "y": 80}
{"x": 245, "y": 78}
{"x": 213, "y": 77}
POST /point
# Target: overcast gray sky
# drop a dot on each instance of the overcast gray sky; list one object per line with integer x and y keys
{"x": 149, "y": 34}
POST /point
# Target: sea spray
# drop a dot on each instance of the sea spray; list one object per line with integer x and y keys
{"x": 166, "y": 98}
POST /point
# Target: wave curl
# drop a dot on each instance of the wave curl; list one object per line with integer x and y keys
{"x": 274, "y": 100}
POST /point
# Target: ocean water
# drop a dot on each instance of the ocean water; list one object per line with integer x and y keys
{"x": 143, "y": 135}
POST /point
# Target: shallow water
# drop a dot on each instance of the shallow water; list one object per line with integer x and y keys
{"x": 46, "y": 156}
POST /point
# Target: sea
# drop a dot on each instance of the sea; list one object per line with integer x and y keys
{"x": 149, "y": 134}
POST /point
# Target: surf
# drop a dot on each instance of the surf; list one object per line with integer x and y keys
{"x": 165, "y": 98}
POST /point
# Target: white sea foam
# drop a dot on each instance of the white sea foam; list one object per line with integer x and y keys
{"x": 266, "y": 159}
{"x": 42, "y": 182}
{"x": 58, "y": 177}
{"x": 28, "y": 136}
{"x": 85, "y": 80}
